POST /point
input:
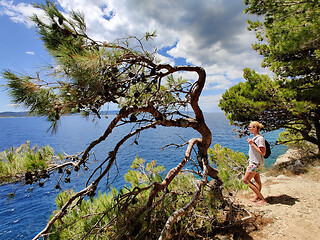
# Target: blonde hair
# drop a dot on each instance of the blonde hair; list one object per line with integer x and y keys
{"x": 257, "y": 125}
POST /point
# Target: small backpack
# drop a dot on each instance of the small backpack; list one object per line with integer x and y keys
{"x": 268, "y": 149}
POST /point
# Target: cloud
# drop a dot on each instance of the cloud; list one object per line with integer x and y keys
{"x": 13, "y": 105}
{"x": 217, "y": 82}
{"x": 208, "y": 33}
{"x": 19, "y": 13}
{"x": 164, "y": 59}
{"x": 31, "y": 53}
{"x": 210, "y": 103}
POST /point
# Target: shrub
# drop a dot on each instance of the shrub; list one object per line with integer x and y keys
{"x": 14, "y": 162}
{"x": 109, "y": 216}
{"x": 232, "y": 166}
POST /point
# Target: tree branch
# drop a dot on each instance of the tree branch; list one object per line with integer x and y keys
{"x": 165, "y": 234}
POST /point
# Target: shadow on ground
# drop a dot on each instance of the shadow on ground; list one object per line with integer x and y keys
{"x": 282, "y": 199}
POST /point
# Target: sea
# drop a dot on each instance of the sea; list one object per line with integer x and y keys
{"x": 26, "y": 214}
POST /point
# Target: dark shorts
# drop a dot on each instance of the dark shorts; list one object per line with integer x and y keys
{"x": 253, "y": 167}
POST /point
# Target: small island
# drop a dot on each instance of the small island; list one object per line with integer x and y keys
{"x": 13, "y": 114}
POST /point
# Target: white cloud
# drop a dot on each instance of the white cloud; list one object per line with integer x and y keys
{"x": 13, "y": 105}
{"x": 217, "y": 82}
{"x": 208, "y": 33}
{"x": 164, "y": 59}
{"x": 31, "y": 53}
{"x": 210, "y": 103}
{"x": 19, "y": 13}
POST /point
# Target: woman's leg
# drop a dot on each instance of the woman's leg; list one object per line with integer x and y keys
{"x": 258, "y": 181}
{"x": 247, "y": 179}
{"x": 258, "y": 185}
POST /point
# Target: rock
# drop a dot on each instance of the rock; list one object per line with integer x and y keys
{"x": 288, "y": 156}
{"x": 282, "y": 177}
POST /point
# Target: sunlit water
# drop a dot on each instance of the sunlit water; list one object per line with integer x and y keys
{"x": 26, "y": 214}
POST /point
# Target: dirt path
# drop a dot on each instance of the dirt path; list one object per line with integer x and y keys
{"x": 293, "y": 211}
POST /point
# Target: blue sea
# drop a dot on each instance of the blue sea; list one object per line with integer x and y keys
{"x": 26, "y": 214}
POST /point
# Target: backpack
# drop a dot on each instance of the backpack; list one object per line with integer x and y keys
{"x": 268, "y": 149}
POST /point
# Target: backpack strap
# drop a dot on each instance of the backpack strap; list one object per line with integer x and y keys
{"x": 254, "y": 139}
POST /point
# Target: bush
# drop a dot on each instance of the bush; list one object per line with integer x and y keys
{"x": 116, "y": 215}
{"x": 231, "y": 165}
{"x": 14, "y": 162}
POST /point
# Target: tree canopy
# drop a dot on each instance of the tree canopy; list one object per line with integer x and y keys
{"x": 288, "y": 39}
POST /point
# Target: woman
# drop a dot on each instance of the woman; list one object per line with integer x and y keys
{"x": 257, "y": 149}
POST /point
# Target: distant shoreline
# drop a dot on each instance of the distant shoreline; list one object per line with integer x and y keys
{"x": 26, "y": 114}
{"x": 14, "y": 114}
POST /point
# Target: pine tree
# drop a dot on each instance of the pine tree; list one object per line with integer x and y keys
{"x": 288, "y": 39}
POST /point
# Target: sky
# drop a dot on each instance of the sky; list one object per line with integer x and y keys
{"x": 208, "y": 33}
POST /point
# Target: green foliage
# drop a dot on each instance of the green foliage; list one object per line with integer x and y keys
{"x": 109, "y": 216}
{"x": 232, "y": 165}
{"x": 252, "y": 100}
{"x": 112, "y": 212}
{"x": 143, "y": 174}
{"x": 23, "y": 90}
{"x": 288, "y": 40}
{"x": 85, "y": 215}
{"x": 263, "y": 99}
{"x": 289, "y": 139}
{"x": 295, "y": 140}
{"x": 17, "y": 161}
{"x": 170, "y": 94}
